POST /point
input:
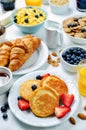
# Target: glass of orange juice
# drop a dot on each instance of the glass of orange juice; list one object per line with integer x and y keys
{"x": 82, "y": 77}
{"x": 33, "y": 2}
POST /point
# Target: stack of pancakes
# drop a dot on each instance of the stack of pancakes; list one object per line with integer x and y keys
{"x": 46, "y": 96}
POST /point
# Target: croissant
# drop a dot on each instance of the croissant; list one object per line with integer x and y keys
{"x": 5, "y": 49}
{"x": 22, "y": 50}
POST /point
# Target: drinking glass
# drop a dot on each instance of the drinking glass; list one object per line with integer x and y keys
{"x": 81, "y": 5}
{"x": 8, "y": 4}
{"x": 82, "y": 77}
{"x": 33, "y": 2}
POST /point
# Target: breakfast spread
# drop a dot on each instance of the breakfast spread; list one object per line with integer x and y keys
{"x": 75, "y": 26}
{"x": 15, "y": 53}
{"x": 44, "y": 96}
{"x": 29, "y": 16}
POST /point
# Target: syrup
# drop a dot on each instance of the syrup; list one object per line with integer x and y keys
{"x": 4, "y": 77}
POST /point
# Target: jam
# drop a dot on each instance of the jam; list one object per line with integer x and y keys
{"x": 81, "y": 5}
{"x": 4, "y": 77}
{"x": 10, "y": 5}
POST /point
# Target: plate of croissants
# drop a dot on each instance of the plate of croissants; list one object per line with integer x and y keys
{"x": 24, "y": 54}
{"x": 43, "y": 98}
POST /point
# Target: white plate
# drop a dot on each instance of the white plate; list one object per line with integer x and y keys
{"x": 37, "y": 60}
{"x": 28, "y": 117}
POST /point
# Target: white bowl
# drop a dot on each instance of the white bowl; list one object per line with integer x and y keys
{"x": 76, "y": 40}
{"x": 5, "y": 79}
{"x": 67, "y": 66}
{"x": 61, "y": 9}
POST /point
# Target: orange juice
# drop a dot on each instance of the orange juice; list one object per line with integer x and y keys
{"x": 82, "y": 81}
{"x": 33, "y": 2}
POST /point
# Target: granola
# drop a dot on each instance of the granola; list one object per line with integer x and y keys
{"x": 75, "y": 26}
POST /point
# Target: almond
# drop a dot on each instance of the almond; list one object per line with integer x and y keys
{"x": 54, "y": 53}
{"x": 85, "y": 108}
{"x": 82, "y": 116}
{"x": 72, "y": 120}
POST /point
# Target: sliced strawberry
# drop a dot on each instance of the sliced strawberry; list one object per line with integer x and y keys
{"x": 61, "y": 111}
{"x": 45, "y": 75}
{"x": 23, "y": 104}
{"x": 67, "y": 99}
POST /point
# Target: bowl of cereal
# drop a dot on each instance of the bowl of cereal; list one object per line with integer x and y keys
{"x": 29, "y": 19}
{"x": 59, "y": 7}
{"x": 71, "y": 56}
{"x": 75, "y": 28}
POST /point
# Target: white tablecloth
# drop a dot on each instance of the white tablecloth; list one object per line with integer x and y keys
{"x": 12, "y": 31}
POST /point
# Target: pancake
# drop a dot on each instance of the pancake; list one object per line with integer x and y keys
{"x": 55, "y": 83}
{"x": 43, "y": 101}
{"x": 26, "y": 88}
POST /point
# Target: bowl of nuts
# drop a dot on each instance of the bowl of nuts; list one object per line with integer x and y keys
{"x": 29, "y": 19}
{"x": 75, "y": 29}
{"x": 71, "y": 56}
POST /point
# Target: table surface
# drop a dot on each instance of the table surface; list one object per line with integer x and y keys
{"x": 14, "y": 124}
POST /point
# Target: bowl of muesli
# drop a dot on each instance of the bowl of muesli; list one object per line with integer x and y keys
{"x": 75, "y": 29}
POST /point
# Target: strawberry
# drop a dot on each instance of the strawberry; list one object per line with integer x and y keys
{"x": 45, "y": 75}
{"x": 23, "y": 104}
{"x": 67, "y": 99}
{"x": 61, "y": 111}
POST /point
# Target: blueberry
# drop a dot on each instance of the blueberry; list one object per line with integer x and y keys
{"x": 71, "y": 62}
{"x": 81, "y": 55}
{"x": 84, "y": 55}
{"x": 73, "y": 56}
{"x": 15, "y": 17}
{"x": 75, "y": 59}
{"x": 69, "y": 25}
{"x": 26, "y": 20}
{"x": 19, "y": 97}
{"x": 34, "y": 11}
{"x": 34, "y": 87}
{"x": 83, "y": 30}
{"x": 38, "y": 77}
{"x": 5, "y": 116}
{"x": 41, "y": 14}
{"x": 3, "y": 109}
{"x": 6, "y": 105}
{"x": 26, "y": 14}
{"x": 75, "y": 25}
{"x": 79, "y": 52}
{"x": 68, "y": 59}
{"x": 71, "y": 49}
{"x": 36, "y": 16}
{"x": 15, "y": 20}
{"x": 75, "y": 51}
